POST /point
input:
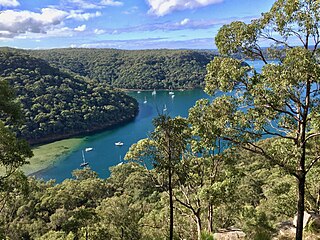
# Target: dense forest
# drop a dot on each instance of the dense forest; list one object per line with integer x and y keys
{"x": 233, "y": 190}
{"x": 133, "y": 202}
{"x": 143, "y": 69}
{"x": 246, "y": 163}
{"x": 58, "y": 104}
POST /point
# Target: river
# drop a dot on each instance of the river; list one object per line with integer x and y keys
{"x": 104, "y": 151}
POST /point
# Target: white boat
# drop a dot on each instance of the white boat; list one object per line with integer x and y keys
{"x": 118, "y": 143}
{"x": 139, "y": 92}
{"x": 154, "y": 92}
{"x": 84, "y": 161}
{"x": 165, "y": 108}
{"x": 88, "y": 149}
{"x": 172, "y": 96}
{"x": 171, "y": 93}
{"x": 145, "y": 100}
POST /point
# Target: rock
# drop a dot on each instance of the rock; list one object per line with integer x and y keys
{"x": 306, "y": 219}
{"x": 286, "y": 230}
{"x": 229, "y": 234}
{"x": 311, "y": 224}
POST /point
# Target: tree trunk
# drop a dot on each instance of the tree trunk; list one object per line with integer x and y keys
{"x": 199, "y": 227}
{"x": 210, "y": 218}
{"x": 301, "y": 184}
{"x": 318, "y": 202}
{"x": 170, "y": 204}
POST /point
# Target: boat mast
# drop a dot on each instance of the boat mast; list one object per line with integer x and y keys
{"x": 83, "y": 158}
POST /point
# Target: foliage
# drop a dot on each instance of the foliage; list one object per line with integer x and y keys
{"x": 13, "y": 151}
{"x": 143, "y": 69}
{"x": 283, "y": 100}
{"x": 248, "y": 192}
{"x": 57, "y": 104}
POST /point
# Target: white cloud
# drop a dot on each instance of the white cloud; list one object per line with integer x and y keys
{"x": 163, "y": 7}
{"x": 185, "y": 21}
{"x": 13, "y": 23}
{"x": 132, "y": 10}
{"x": 91, "y": 4}
{"x": 48, "y": 22}
{"x": 99, "y": 31}
{"x": 81, "y": 16}
{"x": 83, "y": 4}
{"x": 9, "y": 3}
{"x": 111, "y": 3}
{"x": 152, "y": 43}
{"x": 58, "y": 31}
{"x": 81, "y": 28}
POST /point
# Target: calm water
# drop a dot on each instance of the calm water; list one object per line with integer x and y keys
{"x": 105, "y": 153}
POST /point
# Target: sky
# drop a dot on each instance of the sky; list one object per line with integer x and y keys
{"x": 121, "y": 24}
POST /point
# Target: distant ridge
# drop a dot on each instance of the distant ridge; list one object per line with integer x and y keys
{"x": 134, "y": 69}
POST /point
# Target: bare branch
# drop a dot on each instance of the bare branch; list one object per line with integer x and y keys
{"x": 311, "y": 136}
{"x": 312, "y": 164}
{"x": 278, "y": 134}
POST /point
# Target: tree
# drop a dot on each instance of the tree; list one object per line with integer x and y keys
{"x": 164, "y": 148}
{"x": 13, "y": 151}
{"x": 283, "y": 100}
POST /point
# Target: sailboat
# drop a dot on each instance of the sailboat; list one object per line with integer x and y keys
{"x": 171, "y": 92}
{"x": 120, "y": 161}
{"x": 88, "y": 149}
{"x": 119, "y": 144}
{"x": 165, "y": 108}
{"x": 145, "y": 100}
{"x": 84, "y": 161}
{"x": 154, "y": 92}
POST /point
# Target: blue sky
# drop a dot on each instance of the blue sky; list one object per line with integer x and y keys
{"x": 123, "y": 24}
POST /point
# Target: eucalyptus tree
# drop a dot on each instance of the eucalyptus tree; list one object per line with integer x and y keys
{"x": 164, "y": 148}
{"x": 13, "y": 151}
{"x": 281, "y": 101}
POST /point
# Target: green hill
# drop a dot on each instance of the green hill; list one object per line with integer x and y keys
{"x": 141, "y": 69}
{"x": 58, "y": 104}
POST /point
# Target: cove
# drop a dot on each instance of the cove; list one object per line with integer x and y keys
{"x": 105, "y": 153}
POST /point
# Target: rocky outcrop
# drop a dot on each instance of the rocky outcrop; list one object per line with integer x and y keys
{"x": 229, "y": 234}
{"x": 311, "y": 225}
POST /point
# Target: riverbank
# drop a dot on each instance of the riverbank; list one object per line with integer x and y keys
{"x": 49, "y": 154}
{"x": 80, "y": 134}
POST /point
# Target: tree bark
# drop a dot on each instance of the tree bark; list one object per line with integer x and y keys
{"x": 301, "y": 194}
{"x": 210, "y": 218}
{"x": 199, "y": 227}
{"x": 170, "y": 204}
{"x": 318, "y": 202}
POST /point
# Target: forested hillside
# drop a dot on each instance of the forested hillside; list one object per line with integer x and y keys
{"x": 143, "y": 69}
{"x": 57, "y": 104}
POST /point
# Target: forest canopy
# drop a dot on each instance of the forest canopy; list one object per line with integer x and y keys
{"x": 142, "y": 69}
{"x": 58, "y": 104}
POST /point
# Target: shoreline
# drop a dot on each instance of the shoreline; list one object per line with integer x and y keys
{"x": 164, "y": 89}
{"x": 47, "y": 155}
{"x": 49, "y": 151}
{"x": 99, "y": 129}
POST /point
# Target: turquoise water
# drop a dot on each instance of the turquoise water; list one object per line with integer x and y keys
{"x": 105, "y": 153}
